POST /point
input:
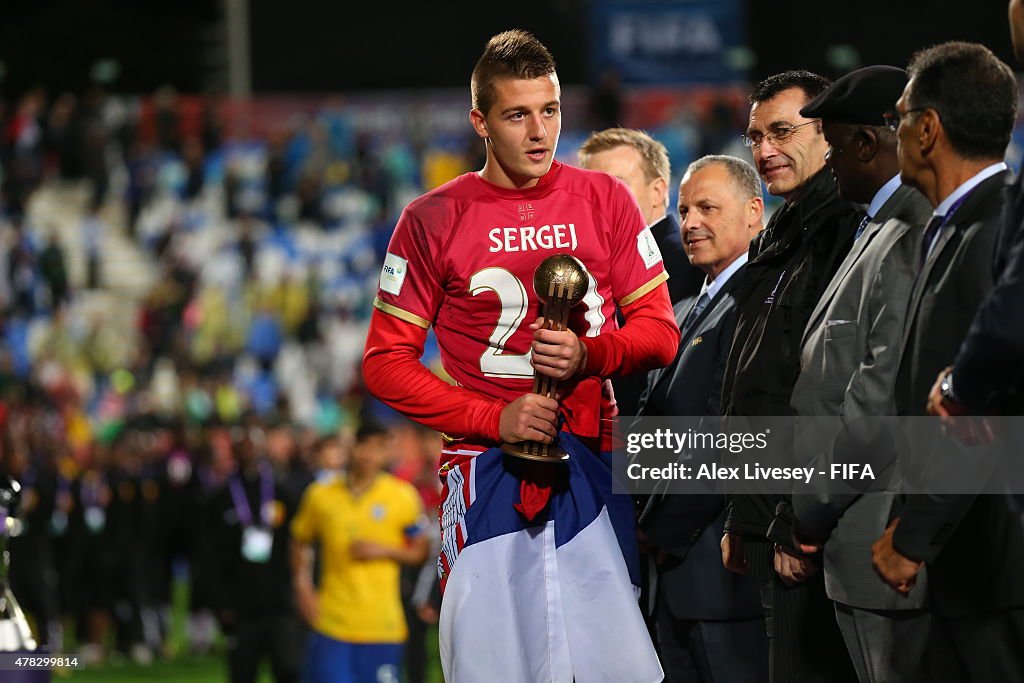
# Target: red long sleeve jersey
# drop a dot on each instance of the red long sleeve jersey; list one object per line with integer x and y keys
{"x": 462, "y": 259}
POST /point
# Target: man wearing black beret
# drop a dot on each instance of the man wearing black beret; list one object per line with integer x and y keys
{"x": 849, "y": 360}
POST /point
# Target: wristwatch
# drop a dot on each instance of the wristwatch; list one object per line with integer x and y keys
{"x": 946, "y": 388}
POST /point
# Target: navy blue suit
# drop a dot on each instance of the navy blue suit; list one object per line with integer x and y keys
{"x": 708, "y": 620}
{"x": 988, "y": 374}
{"x": 684, "y": 281}
{"x": 973, "y": 544}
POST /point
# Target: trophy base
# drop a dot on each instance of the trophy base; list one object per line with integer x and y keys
{"x": 539, "y": 452}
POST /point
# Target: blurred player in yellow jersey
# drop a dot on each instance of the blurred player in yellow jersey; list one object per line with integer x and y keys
{"x": 366, "y": 523}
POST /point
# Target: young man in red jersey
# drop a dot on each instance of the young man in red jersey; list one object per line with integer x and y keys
{"x": 538, "y": 560}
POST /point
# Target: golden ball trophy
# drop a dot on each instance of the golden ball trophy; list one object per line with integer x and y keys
{"x": 560, "y": 282}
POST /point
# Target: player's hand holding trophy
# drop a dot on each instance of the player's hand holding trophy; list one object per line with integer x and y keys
{"x": 560, "y": 282}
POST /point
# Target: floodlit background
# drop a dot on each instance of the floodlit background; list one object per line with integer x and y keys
{"x": 195, "y": 200}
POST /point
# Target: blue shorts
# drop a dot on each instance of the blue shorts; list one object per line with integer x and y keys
{"x": 335, "y": 661}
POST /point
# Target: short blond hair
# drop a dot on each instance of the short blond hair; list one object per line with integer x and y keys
{"x": 653, "y": 155}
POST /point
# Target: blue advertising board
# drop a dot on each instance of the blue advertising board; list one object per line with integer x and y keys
{"x": 667, "y": 41}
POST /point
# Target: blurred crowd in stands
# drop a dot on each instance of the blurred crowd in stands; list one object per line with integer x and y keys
{"x": 178, "y": 287}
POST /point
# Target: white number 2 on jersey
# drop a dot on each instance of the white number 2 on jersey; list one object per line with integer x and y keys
{"x": 512, "y": 297}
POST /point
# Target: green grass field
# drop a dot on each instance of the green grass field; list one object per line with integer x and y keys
{"x": 183, "y": 668}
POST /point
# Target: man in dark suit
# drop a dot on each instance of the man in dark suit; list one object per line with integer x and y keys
{"x": 790, "y": 265}
{"x": 989, "y": 368}
{"x": 848, "y": 369}
{"x": 951, "y": 148}
{"x": 708, "y": 620}
{"x": 640, "y": 161}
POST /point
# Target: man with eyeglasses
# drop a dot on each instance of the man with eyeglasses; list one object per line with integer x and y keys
{"x": 989, "y": 371}
{"x": 951, "y": 148}
{"x": 789, "y": 265}
{"x": 848, "y": 369}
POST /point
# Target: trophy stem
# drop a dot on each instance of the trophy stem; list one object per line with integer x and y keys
{"x": 15, "y": 634}
{"x": 559, "y": 295}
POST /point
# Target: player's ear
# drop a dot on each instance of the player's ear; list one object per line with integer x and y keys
{"x": 755, "y": 213}
{"x": 660, "y": 187}
{"x": 866, "y": 141}
{"x": 479, "y": 123}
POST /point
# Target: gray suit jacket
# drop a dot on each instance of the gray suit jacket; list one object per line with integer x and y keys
{"x": 849, "y": 357}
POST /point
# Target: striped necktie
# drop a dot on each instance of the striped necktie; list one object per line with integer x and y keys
{"x": 698, "y": 308}
{"x": 861, "y": 228}
{"x": 930, "y": 231}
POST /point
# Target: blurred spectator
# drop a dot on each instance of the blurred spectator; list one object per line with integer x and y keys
{"x": 21, "y": 273}
{"x": 719, "y": 130}
{"x": 213, "y": 464}
{"x": 606, "y": 102}
{"x": 253, "y": 594}
{"x": 367, "y": 523}
{"x": 247, "y": 243}
{"x": 166, "y": 117}
{"x": 61, "y": 138}
{"x": 212, "y": 133}
{"x": 53, "y": 269}
{"x": 195, "y": 171}
{"x": 283, "y": 452}
{"x": 265, "y": 336}
{"x": 24, "y": 139}
{"x": 141, "y": 172}
{"x": 94, "y": 145}
{"x": 421, "y": 589}
{"x": 330, "y": 457}
{"x": 93, "y": 228}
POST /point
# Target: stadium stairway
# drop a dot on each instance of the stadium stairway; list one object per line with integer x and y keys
{"x": 127, "y": 272}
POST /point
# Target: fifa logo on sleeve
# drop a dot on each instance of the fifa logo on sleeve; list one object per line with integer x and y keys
{"x": 647, "y": 247}
{"x": 392, "y": 275}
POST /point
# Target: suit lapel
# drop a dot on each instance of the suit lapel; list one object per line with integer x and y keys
{"x": 885, "y": 212}
{"x": 962, "y": 216}
{"x": 690, "y": 333}
{"x": 680, "y": 310}
{"x": 921, "y": 282}
{"x": 687, "y": 334}
{"x": 844, "y": 269}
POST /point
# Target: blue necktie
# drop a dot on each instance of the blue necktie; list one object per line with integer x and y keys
{"x": 930, "y": 231}
{"x": 861, "y": 227}
{"x": 698, "y": 308}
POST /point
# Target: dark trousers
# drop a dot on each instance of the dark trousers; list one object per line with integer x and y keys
{"x": 979, "y": 647}
{"x": 694, "y": 651}
{"x": 415, "y": 655}
{"x": 886, "y": 646}
{"x": 278, "y": 638}
{"x": 804, "y": 642}
{"x": 34, "y": 584}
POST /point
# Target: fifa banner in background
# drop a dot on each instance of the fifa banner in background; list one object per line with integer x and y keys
{"x": 668, "y": 42}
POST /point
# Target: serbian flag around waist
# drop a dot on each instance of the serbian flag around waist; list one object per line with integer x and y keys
{"x": 548, "y": 600}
